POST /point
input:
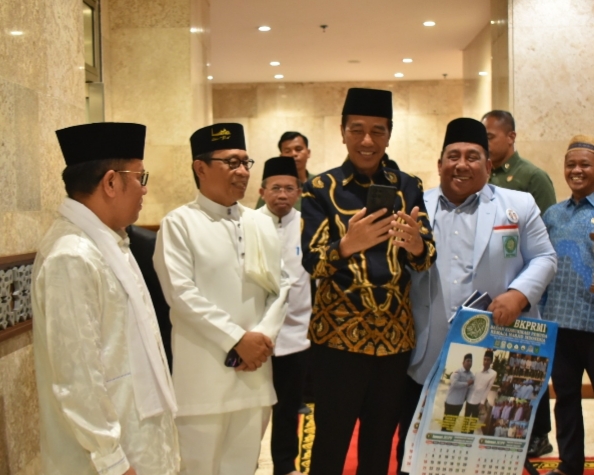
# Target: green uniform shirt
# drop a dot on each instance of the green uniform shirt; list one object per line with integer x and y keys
{"x": 297, "y": 204}
{"x": 521, "y": 175}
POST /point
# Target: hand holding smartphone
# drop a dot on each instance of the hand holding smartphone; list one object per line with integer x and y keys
{"x": 381, "y": 196}
{"x": 233, "y": 360}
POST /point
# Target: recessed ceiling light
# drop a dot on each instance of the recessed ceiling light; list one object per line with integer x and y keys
{"x": 264, "y": 28}
{"x": 492, "y": 22}
{"x": 278, "y": 76}
{"x": 483, "y": 73}
{"x": 274, "y": 63}
{"x": 399, "y": 75}
{"x": 196, "y": 30}
{"x": 16, "y": 33}
{"x": 429, "y": 23}
{"x": 209, "y": 78}
{"x": 407, "y": 60}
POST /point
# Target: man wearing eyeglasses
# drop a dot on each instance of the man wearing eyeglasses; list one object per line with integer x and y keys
{"x": 294, "y": 144}
{"x": 280, "y": 190}
{"x": 105, "y": 394}
{"x": 219, "y": 264}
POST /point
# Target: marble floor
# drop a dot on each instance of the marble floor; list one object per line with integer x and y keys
{"x": 265, "y": 463}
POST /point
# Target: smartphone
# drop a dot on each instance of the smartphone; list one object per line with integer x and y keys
{"x": 233, "y": 360}
{"x": 380, "y": 196}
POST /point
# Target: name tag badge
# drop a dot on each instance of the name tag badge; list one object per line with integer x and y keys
{"x": 510, "y": 246}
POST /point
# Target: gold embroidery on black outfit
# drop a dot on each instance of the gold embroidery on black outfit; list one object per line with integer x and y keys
{"x": 362, "y": 303}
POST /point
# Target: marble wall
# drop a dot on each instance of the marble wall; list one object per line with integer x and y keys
{"x": 422, "y": 110}
{"x": 41, "y": 90}
{"x": 155, "y": 59}
{"x": 551, "y": 65}
{"x": 500, "y": 60}
{"x": 477, "y": 87}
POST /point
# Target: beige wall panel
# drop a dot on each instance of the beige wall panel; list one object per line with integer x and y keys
{"x": 151, "y": 81}
{"x": 149, "y": 14}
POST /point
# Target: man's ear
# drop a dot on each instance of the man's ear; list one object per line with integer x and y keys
{"x": 342, "y": 133}
{"x": 108, "y": 183}
{"x": 198, "y": 166}
{"x": 512, "y": 136}
{"x": 261, "y": 191}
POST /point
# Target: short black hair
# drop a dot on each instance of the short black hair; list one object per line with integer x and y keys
{"x": 504, "y": 117}
{"x": 205, "y": 157}
{"x": 83, "y": 178}
{"x": 290, "y": 136}
{"x": 345, "y": 119}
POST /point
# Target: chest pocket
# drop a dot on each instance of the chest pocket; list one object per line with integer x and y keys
{"x": 510, "y": 241}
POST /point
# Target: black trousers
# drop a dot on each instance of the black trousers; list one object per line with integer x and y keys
{"x": 413, "y": 394}
{"x": 542, "y": 419}
{"x": 350, "y": 386}
{"x": 288, "y": 376}
{"x": 574, "y": 353}
{"x": 452, "y": 410}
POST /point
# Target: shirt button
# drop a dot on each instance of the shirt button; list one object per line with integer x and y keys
{"x": 457, "y": 211}
{"x": 456, "y": 232}
{"x": 240, "y": 238}
{"x": 456, "y": 257}
{"x": 455, "y": 282}
{"x": 243, "y": 254}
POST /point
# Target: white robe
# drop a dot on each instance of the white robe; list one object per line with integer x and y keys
{"x": 199, "y": 258}
{"x": 89, "y": 420}
{"x": 293, "y": 335}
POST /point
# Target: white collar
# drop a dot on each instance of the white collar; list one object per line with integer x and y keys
{"x": 284, "y": 221}
{"x": 217, "y": 210}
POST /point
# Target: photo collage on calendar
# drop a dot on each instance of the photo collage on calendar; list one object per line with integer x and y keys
{"x": 479, "y": 402}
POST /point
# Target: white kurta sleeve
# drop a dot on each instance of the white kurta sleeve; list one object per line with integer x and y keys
{"x": 276, "y": 309}
{"x": 69, "y": 291}
{"x": 174, "y": 265}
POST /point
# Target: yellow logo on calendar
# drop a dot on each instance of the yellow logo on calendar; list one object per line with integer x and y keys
{"x": 476, "y": 329}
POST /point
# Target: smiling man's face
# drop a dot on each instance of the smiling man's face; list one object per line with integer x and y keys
{"x": 366, "y": 139}
{"x": 463, "y": 170}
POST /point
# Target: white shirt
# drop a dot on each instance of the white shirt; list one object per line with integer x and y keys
{"x": 199, "y": 257}
{"x": 483, "y": 381}
{"x": 293, "y": 335}
{"x": 89, "y": 420}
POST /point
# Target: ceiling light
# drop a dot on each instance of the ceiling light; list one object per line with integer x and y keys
{"x": 407, "y": 60}
{"x": 492, "y": 22}
{"x": 195, "y": 30}
{"x": 483, "y": 73}
{"x": 209, "y": 78}
{"x": 16, "y": 33}
{"x": 429, "y": 23}
{"x": 399, "y": 75}
{"x": 278, "y": 76}
{"x": 274, "y": 63}
{"x": 264, "y": 28}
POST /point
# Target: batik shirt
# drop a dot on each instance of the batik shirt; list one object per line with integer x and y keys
{"x": 569, "y": 301}
{"x": 362, "y": 303}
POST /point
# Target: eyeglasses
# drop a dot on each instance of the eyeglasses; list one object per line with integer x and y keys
{"x": 234, "y": 163}
{"x": 143, "y": 175}
{"x": 277, "y": 189}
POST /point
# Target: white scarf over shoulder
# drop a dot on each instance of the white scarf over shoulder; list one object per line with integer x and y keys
{"x": 153, "y": 389}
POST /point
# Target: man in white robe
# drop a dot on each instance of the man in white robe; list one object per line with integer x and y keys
{"x": 280, "y": 191}
{"x": 219, "y": 264}
{"x": 105, "y": 396}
